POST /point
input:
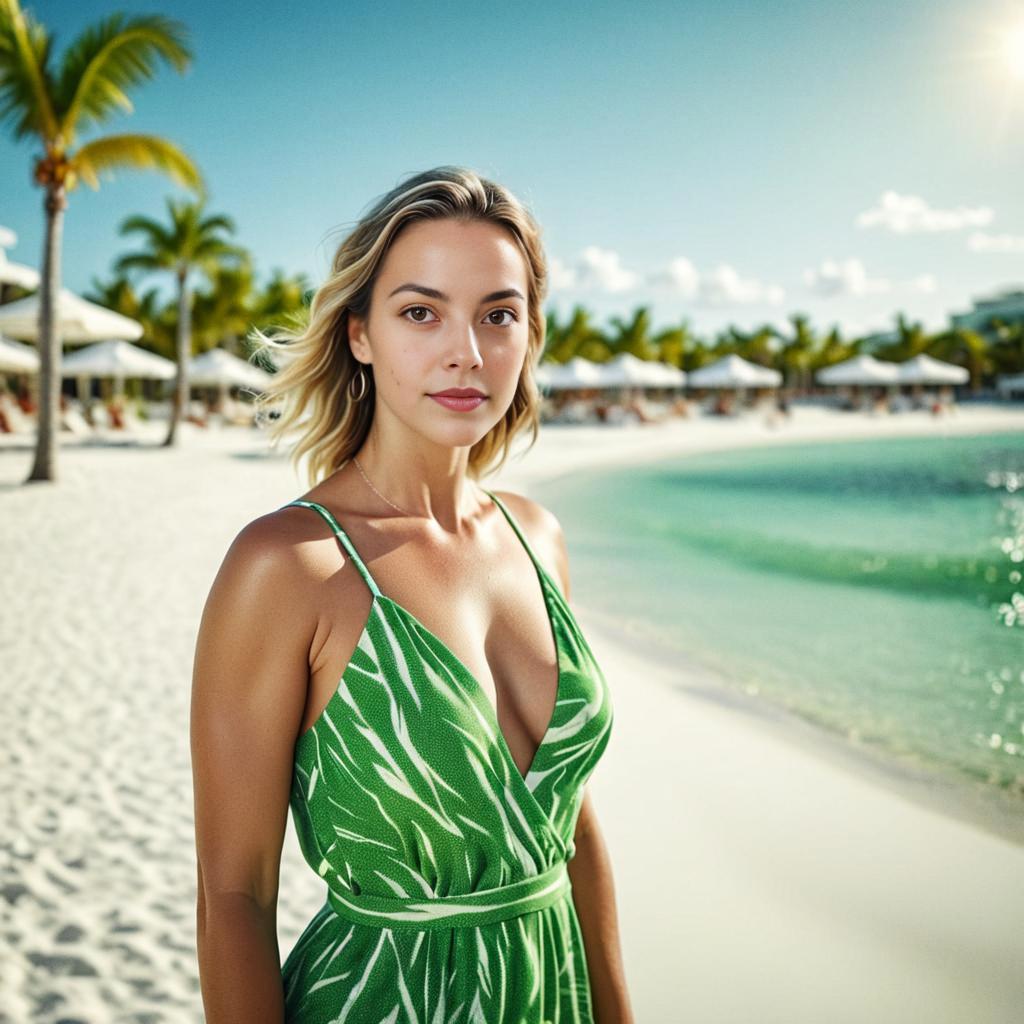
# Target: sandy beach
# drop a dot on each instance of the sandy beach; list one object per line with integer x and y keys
{"x": 762, "y": 874}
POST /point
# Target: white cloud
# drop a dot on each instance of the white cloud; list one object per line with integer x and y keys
{"x": 679, "y": 276}
{"x": 843, "y": 278}
{"x": 911, "y": 214}
{"x": 722, "y": 286}
{"x": 980, "y": 241}
{"x": 849, "y": 277}
{"x": 598, "y": 269}
{"x": 601, "y": 270}
{"x": 559, "y": 275}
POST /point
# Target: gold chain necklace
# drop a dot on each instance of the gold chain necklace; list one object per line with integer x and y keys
{"x": 375, "y": 491}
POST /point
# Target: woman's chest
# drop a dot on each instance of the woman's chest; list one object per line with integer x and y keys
{"x": 491, "y": 615}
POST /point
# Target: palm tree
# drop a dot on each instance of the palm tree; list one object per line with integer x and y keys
{"x": 578, "y": 337}
{"x": 52, "y": 105}
{"x": 673, "y": 343}
{"x": 222, "y": 313}
{"x": 964, "y": 347}
{"x": 157, "y": 318}
{"x": 191, "y": 242}
{"x": 283, "y": 298}
{"x": 633, "y": 335}
{"x": 799, "y": 353}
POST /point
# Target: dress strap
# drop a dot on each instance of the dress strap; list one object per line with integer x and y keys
{"x": 515, "y": 526}
{"x": 345, "y": 542}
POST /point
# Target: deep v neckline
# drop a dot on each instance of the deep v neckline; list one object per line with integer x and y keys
{"x": 479, "y": 694}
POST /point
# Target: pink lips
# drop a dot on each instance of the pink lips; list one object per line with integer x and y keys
{"x": 458, "y": 404}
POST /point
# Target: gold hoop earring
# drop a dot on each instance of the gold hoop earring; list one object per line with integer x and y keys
{"x": 360, "y": 373}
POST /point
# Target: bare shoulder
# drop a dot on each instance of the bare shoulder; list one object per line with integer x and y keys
{"x": 265, "y": 558}
{"x": 286, "y": 549}
{"x": 544, "y": 532}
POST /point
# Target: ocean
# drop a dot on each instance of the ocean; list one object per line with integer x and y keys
{"x": 871, "y": 588}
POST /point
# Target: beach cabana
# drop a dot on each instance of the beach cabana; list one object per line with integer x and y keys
{"x": 220, "y": 369}
{"x": 673, "y": 376}
{"x": 116, "y": 360}
{"x": 625, "y": 370}
{"x": 17, "y": 358}
{"x": 14, "y": 273}
{"x": 733, "y": 371}
{"x": 573, "y": 375}
{"x": 79, "y": 321}
{"x": 862, "y": 370}
{"x": 923, "y": 369}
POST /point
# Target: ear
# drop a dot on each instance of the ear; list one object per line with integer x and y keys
{"x": 357, "y": 340}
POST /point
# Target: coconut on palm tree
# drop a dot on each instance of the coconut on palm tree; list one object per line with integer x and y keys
{"x": 51, "y": 103}
{"x": 192, "y": 241}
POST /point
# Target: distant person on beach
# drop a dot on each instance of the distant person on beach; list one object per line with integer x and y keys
{"x": 376, "y": 656}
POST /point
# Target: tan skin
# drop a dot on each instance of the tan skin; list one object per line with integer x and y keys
{"x": 287, "y": 607}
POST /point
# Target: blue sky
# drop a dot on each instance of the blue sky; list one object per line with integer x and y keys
{"x": 724, "y": 162}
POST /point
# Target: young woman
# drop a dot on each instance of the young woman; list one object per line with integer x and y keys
{"x": 438, "y": 788}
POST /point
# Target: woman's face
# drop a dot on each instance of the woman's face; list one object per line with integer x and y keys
{"x": 448, "y": 310}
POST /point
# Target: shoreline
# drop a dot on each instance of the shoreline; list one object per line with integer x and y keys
{"x": 983, "y": 809}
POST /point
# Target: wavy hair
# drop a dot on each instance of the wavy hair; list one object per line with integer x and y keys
{"x": 309, "y": 395}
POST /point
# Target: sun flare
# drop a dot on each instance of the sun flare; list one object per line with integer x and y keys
{"x": 1014, "y": 51}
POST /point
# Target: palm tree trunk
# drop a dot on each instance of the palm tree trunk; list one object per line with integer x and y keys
{"x": 45, "y": 465}
{"x": 179, "y": 405}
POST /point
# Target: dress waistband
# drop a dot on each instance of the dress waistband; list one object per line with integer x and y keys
{"x": 476, "y": 908}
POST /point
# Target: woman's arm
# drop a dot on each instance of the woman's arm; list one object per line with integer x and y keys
{"x": 249, "y": 687}
{"x": 593, "y": 889}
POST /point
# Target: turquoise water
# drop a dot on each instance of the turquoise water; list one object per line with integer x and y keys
{"x": 870, "y": 587}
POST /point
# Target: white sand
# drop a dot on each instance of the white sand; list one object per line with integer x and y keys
{"x": 760, "y": 878}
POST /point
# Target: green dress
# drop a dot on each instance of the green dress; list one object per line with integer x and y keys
{"x": 448, "y": 898}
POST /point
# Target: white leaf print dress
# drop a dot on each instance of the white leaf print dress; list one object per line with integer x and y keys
{"x": 448, "y": 898}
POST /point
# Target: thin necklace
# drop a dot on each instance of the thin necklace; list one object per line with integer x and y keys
{"x": 375, "y": 491}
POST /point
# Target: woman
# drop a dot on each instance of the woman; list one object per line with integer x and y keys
{"x": 438, "y": 788}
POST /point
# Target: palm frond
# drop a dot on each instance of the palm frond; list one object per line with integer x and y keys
{"x": 25, "y": 86}
{"x": 135, "y": 152}
{"x": 156, "y": 234}
{"x": 110, "y": 57}
{"x": 141, "y": 261}
{"x": 216, "y": 222}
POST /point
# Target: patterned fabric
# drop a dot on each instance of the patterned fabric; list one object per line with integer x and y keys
{"x": 448, "y": 896}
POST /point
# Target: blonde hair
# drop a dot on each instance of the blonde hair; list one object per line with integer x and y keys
{"x": 309, "y": 395}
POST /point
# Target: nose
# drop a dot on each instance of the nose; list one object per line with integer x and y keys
{"x": 462, "y": 347}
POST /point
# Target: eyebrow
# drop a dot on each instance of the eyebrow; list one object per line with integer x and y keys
{"x": 506, "y": 293}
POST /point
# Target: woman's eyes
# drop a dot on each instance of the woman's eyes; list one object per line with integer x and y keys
{"x": 492, "y": 323}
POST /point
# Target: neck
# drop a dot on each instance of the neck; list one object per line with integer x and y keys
{"x": 425, "y": 483}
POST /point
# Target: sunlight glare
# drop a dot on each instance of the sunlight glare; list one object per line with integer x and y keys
{"x": 1014, "y": 50}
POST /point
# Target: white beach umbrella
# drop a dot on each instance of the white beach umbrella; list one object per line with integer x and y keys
{"x": 923, "y": 369}
{"x": 734, "y": 371}
{"x": 79, "y": 320}
{"x": 576, "y": 373}
{"x": 117, "y": 359}
{"x": 14, "y": 273}
{"x": 626, "y": 370}
{"x": 673, "y": 376}
{"x": 17, "y": 273}
{"x": 862, "y": 369}
{"x": 1007, "y": 384}
{"x": 217, "y": 368}
{"x": 17, "y": 358}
